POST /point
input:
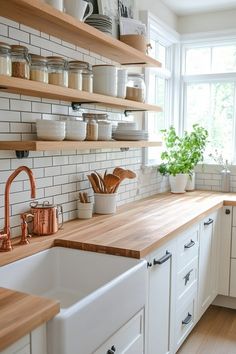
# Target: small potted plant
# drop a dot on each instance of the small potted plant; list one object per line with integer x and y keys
{"x": 181, "y": 156}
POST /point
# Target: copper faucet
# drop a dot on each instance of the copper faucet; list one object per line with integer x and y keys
{"x": 6, "y": 236}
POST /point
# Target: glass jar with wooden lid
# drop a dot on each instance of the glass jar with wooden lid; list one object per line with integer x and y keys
{"x": 136, "y": 88}
{"x": 20, "y": 61}
{"x": 5, "y": 59}
{"x": 57, "y": 71}
{"x": 38, "y": 68}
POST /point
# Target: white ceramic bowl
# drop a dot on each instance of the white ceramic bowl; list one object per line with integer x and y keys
{"x": 126, "y": 126}
{"x": 54, "y": 130}
{"x": 76, "y": 130}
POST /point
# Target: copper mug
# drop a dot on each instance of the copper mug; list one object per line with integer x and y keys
{"x": 45, "y": 218}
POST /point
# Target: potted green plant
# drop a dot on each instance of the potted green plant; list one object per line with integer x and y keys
{"x": 181, "y": 155}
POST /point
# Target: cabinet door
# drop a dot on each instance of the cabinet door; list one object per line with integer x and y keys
{"x": 129, "y": 339}
{"x": 224, "y": 250}
{"x": 207, "y": 263}
{"x": 159, "y": 302}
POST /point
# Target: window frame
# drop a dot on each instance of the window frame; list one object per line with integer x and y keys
{"x": 186, "y": 79}
{"x": 163, "y": 34}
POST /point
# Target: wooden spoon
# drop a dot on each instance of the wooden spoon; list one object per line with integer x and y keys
{"x": 94, "y": 185}
{"x": 98, "y": 182}
{"x": 111, "y": 182}
{"x": 102, "y": 184}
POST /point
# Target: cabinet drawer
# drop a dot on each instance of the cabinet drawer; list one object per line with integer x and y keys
{"x": 232, "y": 291}
{"x": 187, "y": 247}
{"x": 233, "y": 247}
{"x": 187, "y": 279}
{"x": 128, "y": 339}
{"x": 185, "y": 320}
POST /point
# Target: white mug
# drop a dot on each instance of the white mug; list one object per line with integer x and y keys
{"x": 77, "y": 8}
{"x": 57, "y": 4}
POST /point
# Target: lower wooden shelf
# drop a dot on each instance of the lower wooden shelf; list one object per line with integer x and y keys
{"x": 73, "y": 145}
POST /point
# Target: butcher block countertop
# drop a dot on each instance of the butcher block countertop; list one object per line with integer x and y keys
{"x": 134, "y": 231}
{"x": 21, "y": 313}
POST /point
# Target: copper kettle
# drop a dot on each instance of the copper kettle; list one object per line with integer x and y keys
{"x": 45, "y": 218}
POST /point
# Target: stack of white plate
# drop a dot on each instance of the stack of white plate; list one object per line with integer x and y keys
{"x": 133, "y": 135}
{"x": 54, "y": 130}
{"x": 101, "y": 22}
{"x": 127, "y": 125}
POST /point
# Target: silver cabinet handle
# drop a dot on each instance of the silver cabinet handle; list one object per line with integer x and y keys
{"x": 163, "y": 259}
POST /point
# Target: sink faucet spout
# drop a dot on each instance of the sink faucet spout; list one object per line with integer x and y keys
{"x": 6, "y": 244}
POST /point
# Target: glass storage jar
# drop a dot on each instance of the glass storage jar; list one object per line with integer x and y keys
{"x": 57, "y": 71}
{"x": 38, "y": 68}
{"x": 5, "y": 59}
{"x": 75, "y": 69}
{"x": 92, "y": 126}
{"x": 136, "y": 88}
{"x": 87, "y": 76}
{"x": 20, "y": 62}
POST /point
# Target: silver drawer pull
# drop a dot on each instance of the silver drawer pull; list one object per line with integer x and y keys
{"x": 187, "y": 277}
{"x": 187, "y": 320}
{"x": 190, "y": 244}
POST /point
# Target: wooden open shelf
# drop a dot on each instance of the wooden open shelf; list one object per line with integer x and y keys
{"x": 43, "y": 17}
{"x": 73, "y": 145}
{"x": 38, "y": 89}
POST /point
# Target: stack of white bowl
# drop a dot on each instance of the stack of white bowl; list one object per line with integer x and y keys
{"x": 54, "y": 130}
{"x": 128, "y": 131}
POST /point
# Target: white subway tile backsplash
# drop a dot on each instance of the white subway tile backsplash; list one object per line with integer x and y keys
{"x": 4, "y": 103}
{"x": 42, "y": 162}
{"x": 20, "y": 105}
{"x": 9, "y": 116}
{"x": 41, "y": 107}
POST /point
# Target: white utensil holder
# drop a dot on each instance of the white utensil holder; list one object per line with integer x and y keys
{"x": 105, "y": 203}
{"x": 85, "y": 210}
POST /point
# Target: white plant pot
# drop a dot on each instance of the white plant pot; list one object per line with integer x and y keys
{"x": 105, "y": 203}
{"x": 190, "y": 183}
{"x": 85, "y": 210}
{"x": 178, "y": 183}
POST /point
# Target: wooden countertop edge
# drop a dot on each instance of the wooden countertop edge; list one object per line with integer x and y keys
{"x": 21, "y": 313}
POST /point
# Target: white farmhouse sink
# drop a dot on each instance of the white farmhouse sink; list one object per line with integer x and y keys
{"x": 98, "y": 294}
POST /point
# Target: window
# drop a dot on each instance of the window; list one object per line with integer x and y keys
{"x": 159, "y": 84}
{"x": 209, "y": 94}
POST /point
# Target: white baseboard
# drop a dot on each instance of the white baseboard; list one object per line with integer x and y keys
{"x": 225, "y": 301}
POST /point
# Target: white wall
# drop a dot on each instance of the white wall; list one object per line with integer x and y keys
{"x": 208, "y": 22}
{"x": 160, "y": 10}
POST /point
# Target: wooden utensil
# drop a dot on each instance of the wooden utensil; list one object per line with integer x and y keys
{"x": 102, "y": 184}
{"x": 85, "y": 195}
{"x": 111, "y": 182}
{"x": 94, "y": 185}
{"x": 81, "y": 198}
{"x": 98, "y": 182}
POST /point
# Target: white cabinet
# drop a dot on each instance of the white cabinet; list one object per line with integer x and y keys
{"x": 33, "y": 343}
{"x": 224, "y": 250}
{"x": 159, "y": 300}
{"x": 208, "y": 263}
{"x": 129, "y": 339}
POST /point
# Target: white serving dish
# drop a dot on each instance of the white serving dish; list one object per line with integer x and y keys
{"x": 91, "y": 287}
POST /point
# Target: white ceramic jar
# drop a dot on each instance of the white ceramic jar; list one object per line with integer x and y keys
{"x": 122, "y": 79}
{"x": 105, "y": 203}
{"x": 85, "y": 210}
{"x": 105, "y": 80}
{"x": 104, "y": 130}
{"x": 57, "y": 4}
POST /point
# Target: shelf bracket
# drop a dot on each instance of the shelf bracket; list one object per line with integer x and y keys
{"x": 123, "y": 149}
{"x": 22, "y": 154}
{"x": 76, "y": 106}
{"x": 127, "y": 111}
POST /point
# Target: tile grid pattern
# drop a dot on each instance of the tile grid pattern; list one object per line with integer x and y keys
{"x": 59, "y": 175}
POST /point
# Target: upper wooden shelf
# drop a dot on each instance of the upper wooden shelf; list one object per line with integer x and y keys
{"x": 43, "y": 17}
{"x": 38, "y": 89}
{"x": 73, "y": 145}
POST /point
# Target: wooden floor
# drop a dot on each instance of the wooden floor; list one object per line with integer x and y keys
{"x": 214, "y": 334}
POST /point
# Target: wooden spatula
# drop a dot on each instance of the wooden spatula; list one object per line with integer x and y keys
{"x": 111, "y": 182}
